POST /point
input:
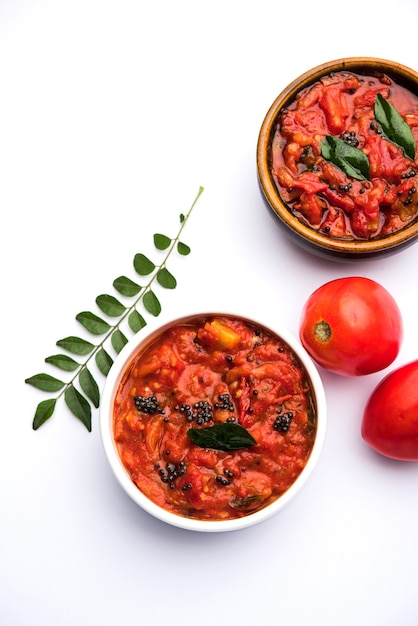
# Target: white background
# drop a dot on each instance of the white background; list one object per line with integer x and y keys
{"x": 112, "y": 114}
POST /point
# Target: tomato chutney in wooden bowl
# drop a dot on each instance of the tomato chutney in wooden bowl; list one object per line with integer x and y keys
{"x": 337, "y": 158}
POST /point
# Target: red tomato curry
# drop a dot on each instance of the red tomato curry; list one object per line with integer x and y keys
{"x": 318, "y": 192}
{"x": 206, "y": 372}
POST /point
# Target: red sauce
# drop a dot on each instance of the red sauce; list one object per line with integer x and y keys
{"x": 209, "y": 371}
{"x": 320, "y": 194}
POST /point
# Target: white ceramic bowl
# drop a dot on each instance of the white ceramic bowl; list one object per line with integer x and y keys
{"x": 106, "y": 427}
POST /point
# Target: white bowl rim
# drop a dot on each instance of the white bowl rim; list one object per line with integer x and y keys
{"x": 106, "y": 428}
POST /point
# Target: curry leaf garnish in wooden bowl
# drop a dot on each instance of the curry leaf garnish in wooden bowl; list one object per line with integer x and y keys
{"x": 354, "y": 162}
{"x": 394, "y": 126}
{"x": 351, "y": 160}
{"x": 108, "y": 332}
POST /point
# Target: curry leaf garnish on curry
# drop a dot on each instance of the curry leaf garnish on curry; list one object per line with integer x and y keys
{"x": 109, "y": 331}
{"x": 349, "y": 159}
{"x": 226, "y": 436}
{"x": 394, "y": 126}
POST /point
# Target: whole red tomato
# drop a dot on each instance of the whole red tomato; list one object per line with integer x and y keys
{"x": 390, "y": 419}
{"x": 352, "y": 326}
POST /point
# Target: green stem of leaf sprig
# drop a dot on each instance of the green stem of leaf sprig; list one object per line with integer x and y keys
{"x": 79, "y": 402}
{"x": 353, "y": 161}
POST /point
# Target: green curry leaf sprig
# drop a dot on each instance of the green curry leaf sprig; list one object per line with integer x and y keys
{"x": 354, "y": 162}
{"x": 81, "y": 391}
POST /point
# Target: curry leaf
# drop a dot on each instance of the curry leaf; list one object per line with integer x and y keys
{"x": 103, "y": 361}
{"x": 78, "y": 405}
{"x": 76, "y": 345}
{"x": 394, "y": 126}
{"x": 110, "y": 305}
{"x": 183, "y": 248}
{"x": 226, "y": 436}
{"x": 63, "y": 362}
{"x": 245, "y": 503}
{"x": 94, "y": 324}
{"x": 161, "y": 242}
{"x": 45, "y": 382}
{"x": 136, "y": 321}
{"x": 166, "y": 279}
{"x": 79, "y": 401}
{"x": 143, "y": 265}
{"x": 44, "y": 411}
{"x": 126, "y": 286}
{"x": 118, "y": 340}
{"x": 350, "y": 160}
{"x": 89, "y": 386}
{"x": 151, "y": 303}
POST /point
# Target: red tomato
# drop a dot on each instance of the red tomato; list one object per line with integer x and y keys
{"x": 390, "y": 419}
{"x": 352, "y": 326}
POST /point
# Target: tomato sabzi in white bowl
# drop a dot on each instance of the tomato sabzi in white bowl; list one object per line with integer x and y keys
{"x": 213, "y": 422}
{"x": 337, "y": 158}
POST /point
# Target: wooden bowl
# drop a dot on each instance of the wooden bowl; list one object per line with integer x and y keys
{"x": 302, "y": 234}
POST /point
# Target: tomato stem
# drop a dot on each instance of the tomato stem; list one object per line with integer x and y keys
{"x": 322, "y": 331}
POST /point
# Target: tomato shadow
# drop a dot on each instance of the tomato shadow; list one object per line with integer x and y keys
{"x": 387, "y": 463}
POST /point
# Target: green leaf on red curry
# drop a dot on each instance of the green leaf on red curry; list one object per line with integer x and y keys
{"x": 245, "y": 503}
{"x": 126, "y": 286}
{"x": 394, "y": 126}
{"x": 226, "y": 436}
{"x": 89, "y": 386}
{"x": 76, "y": 345}
{"x": 350, "y": 160}
{"x": 166, "y": 279}
{"x": 45, "y": 382}
{"x": 151, "y": 303}
{"x": 161, "y": 242}
{"x": 44, "y": 411}
{"x": 103, "y": 361}
{"x": 78, "y": 406}
{"x": 110, "y": 305}
{"x": 94, "y": 324}
{"x": 143, "y": 266}
{"x": 136, "y": 321}
{"x": 63, "y": 362}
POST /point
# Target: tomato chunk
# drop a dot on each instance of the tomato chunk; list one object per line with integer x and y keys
{"x": 334, "y": 105}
